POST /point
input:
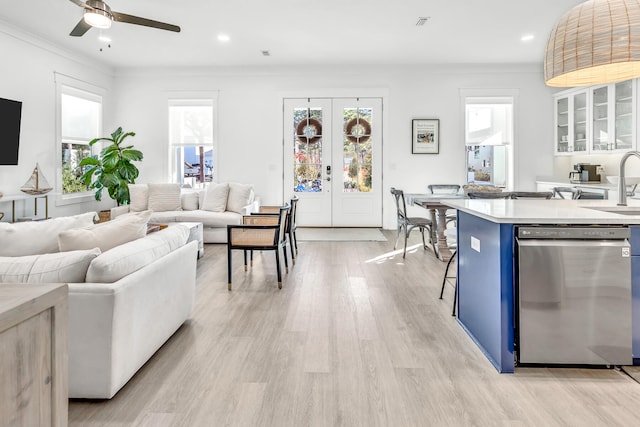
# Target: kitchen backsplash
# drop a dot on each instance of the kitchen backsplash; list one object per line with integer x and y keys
{"x": 611, "y": 163}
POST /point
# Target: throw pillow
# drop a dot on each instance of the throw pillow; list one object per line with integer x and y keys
{"x": 67, "y": 267}
{"x": 189, "y": 201}
{"x": 240, "y": 195}
{"x": 164, "y": 197}
{"x": 215, "y": 199}
{"x": 139, "y": 197}
{"x": 106, "y": 235}
{"x": 38, "y": 237}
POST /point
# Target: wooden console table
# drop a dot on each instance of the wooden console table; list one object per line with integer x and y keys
{"x": 15, "y": 197}
{"x": 33, "y": 351}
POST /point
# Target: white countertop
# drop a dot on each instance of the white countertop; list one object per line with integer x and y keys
{"x": 554, "y": 211}
{"x": 565, "y": 181}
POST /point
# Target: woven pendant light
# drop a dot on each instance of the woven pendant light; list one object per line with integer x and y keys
{"x": 596, "y": 42}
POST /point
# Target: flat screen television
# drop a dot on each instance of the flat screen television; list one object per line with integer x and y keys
{"x": 10, "y": 114}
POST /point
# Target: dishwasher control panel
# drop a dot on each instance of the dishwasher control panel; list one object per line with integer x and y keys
{"x": 572, "y": 232}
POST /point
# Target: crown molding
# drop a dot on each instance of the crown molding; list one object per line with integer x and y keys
{"x": 45, "y": 45}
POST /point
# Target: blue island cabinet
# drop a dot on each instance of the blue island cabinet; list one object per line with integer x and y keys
{"x": 486, "y": 287}
{"x": 635, "y": 292}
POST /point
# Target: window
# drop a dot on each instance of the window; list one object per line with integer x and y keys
{"x": 191, "y": 141}
{"x": 79, "y": 121}
{"x": 489, "y": 138}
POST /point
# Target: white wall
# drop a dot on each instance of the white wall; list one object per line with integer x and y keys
{"x": 250, "y": 119}
{"x": 27, "y": 75}
{"x": 249, "y": 122}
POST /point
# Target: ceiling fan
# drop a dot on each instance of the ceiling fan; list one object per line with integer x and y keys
{"x": 98, "y": 14}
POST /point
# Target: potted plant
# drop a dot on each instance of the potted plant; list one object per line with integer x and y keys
{"x": 112, "y": 168}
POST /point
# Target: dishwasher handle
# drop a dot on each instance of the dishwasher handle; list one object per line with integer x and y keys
{"x": 622, "y": 243}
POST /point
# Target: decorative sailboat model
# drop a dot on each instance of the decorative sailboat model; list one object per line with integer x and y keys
{"x": 37, "y": 183}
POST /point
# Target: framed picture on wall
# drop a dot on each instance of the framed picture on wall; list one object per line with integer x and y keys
{"x": 425, "y": 136}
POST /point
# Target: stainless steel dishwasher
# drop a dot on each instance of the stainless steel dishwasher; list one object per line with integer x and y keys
{"x": 573, "y": 295}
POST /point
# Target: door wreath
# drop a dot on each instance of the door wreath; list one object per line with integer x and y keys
{"x": 303, "y": 125}
{"x": 357, "y": 130}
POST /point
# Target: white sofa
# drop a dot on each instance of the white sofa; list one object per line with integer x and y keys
{"x": 124, "y": 302}
{"x": 215, "y": 207}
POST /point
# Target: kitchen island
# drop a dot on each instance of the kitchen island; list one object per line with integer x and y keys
{"x": 487, "y": 263}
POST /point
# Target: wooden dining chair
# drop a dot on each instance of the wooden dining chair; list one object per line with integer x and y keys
{"x": 258, "y": 232}
{"x": 575, "y": 193}
{"x": 407, "y": 223}
{"x": 290, "y": 226}
{"x": 489, "y": 194}
{"x": 531, "y": 194}
{"x": 443, "y": 188}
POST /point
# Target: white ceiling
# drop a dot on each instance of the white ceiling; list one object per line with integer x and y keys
{"x": 345, "y": 32}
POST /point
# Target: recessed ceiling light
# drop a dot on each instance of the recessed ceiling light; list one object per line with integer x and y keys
{"x": 527, "y": 37}
{"x": 104, "y": 39}
{"x": 223, "y": 38}
{"x": 422, "y": 20}
{"x": 266, "y": 53}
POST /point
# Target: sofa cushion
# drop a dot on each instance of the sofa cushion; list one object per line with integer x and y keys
{"x": 189, "y": 200}
{"x": 47, "y": 268}
{"x": 106, "y": 235}
{"x": 38, "y": 237}
{"x": 240, "y": 195}
{"x": 117, "y": 263}
{"x": 164, "y": 197}
{"x": 138, "y": 197}
{"x": 215, "y": 199}
{"x": 164, "y": 217}
{"x": 201, "y": 194}
{"x": 209, "y": 219}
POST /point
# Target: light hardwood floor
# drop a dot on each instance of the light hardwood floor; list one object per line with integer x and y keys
{"x": 354, "y": 338}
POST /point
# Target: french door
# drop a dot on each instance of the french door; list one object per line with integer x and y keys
{"x": 333, "y": 160}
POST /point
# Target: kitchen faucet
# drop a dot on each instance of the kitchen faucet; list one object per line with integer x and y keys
{"x": 622, "y": 187}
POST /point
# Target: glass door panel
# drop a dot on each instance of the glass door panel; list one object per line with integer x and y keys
{"x": 600, "y": 119}
{"x": 580, "y": 122}
{"x": 562, "y": 132}
{"x": 357, "y": 150}
{"x": 624, "y": 116}
{"x": 307, "y": 153}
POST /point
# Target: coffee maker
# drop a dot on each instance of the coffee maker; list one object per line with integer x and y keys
{"x": 585, "y": 173}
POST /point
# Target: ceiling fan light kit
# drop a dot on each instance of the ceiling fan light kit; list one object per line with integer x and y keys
{"x": 97, "y": 19}
{"x": 596, "y": 42}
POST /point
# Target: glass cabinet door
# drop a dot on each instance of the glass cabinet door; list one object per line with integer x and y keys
{"x": 580, "y": 122}
{"x": 600, "y": 119}
{"x": 562, "y": 125}
{"x": 623, "y": 116}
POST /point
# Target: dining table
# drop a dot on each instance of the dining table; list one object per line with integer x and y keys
{"x": 438, "y": 213}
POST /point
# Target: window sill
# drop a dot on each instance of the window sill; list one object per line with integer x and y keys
{"x": 64, "y": 200}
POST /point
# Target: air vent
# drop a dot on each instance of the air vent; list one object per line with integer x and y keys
{"x": 266, "y": 53}
{"x": 422, "y": 20}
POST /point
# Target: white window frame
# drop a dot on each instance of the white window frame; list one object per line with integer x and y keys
{"x": 193, "y": 99}
{"x": 489, "y": 96}
{"x": 78, "y": 88}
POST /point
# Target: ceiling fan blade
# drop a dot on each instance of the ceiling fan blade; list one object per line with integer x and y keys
{"x": 129, "y": 19}
{"x": 80, "y": 29}
{"x": 79, "y": 3}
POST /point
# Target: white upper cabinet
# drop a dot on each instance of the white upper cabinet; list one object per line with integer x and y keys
{"x": 572, "y": 126}
{"x": 598, "y": 119}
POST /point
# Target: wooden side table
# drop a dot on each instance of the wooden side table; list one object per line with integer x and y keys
{"x": 17, "y": 197}
{"x": 33, "y": 355}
